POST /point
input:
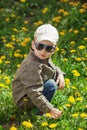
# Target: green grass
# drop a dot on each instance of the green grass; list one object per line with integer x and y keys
{"x": 18, "y": 21}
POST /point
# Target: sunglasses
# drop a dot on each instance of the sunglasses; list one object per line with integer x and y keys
{"x": 41, "y": 46}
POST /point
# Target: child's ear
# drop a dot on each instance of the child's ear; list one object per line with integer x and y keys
{"x": 32, "y": 44}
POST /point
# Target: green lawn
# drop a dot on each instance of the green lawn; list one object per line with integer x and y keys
{"x": 18, "y": 21}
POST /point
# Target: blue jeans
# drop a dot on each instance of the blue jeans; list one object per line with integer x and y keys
{"x": 49, "y": 89}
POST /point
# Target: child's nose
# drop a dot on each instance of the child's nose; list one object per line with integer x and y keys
{"x": 44, "y": 50}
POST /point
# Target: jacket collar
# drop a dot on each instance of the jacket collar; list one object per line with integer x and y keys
{"x": 34, "y": 57}
{"x": 46, "y": 61}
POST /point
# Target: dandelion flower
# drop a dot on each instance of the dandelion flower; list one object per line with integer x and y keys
{"x": 83, "y": 115}
{"x": 82, "y": 11}
{"x": 71, "y": 99}
{"x": 0, "y": 61}
{"x": 85, "y": 38}
{"x": 67, "y": 81}
{"x": 48, "y": 115}
{"x": 67, "y": 105}
{"x": 53, "y": 125}
{"x": 44, "y": 124}
{"x": 27, "y": 124}
{"x": 78, "y": 59}
{"x": 22, "y": 1}
{"x": 79, "y": 99}
{"x": 81, "y": 47}
{"x": 75, "y": 115}
{"x": 80, "y": 129}
{"x": 45, "y": 10}
{"x": 13, "y": 128}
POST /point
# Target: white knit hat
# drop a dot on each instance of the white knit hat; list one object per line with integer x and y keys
{"x": 46, "y": 32}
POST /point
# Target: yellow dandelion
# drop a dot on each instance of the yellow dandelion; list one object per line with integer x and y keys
{"x": 13, "y": 15}
{"x": 1, "y": 61}
{"x": 75, "y": 31}
{"x": 26, "y": 22}
{"x": 7, "y": 62}
{"x": 70, "y": 30}
{"x": 81, "y": 47}
{"x": 83, "y": 29}
{"x": 3, "y": 86}
{"x": 38, "y": 23}
{"x": 45, "y": 10}
{"x": 18, "y": 55}
{"x": 60, "y": 11}
{"x": 15, "y": 30}
{"x": 80, "y": 129}
{"x": 18, "y": 65}
{"x": 57, "y": 49}
{"x": 53, "y": 125}
{"x": 86, "y": 106}
{"x": 74, "y": 3}
{"x": 24, "y": 29}
{"x": 85, "y": 38}
{"x": 8, "y": 81}
{"x": 61, "y": 108}
{"x": 27, "y": 124}
{"x": 67, "y": 105}
{"x": 13, "y": 128}
{"x": 65, "y": 59}
{"x": 48, "y": 115}
{"x": 72, "y": 42}
{"x": 78, "y": 59}
{"x": 83, "y": 115}
{"x": 57, "y": 19}
{"x": 23, "y": 1}
{"x": 82, "y": 10}
{"x": 44, "y": 124}
{"x": 75, "y": 115}
{"x": 65, "y": 13}
{"x": 7, "y": 19}
{"x": 72, "y": 51}
{"x": 62, "y": 33}
{"x": 3, "y": 57}
{"x": 77, "y": 74}
{"x": 71, "y": 99}
{"x": 9, "y": 45}
{"x": 64, "y": 0}
{"x": 79, "y": 99}
{"x": 67, "y": 81}
{"x": 73, "y": 87}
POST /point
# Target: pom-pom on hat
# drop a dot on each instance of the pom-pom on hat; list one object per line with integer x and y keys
{"x": 46, "y": 32}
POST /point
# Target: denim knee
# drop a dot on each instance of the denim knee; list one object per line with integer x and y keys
{"x": 50, "y": 85}
{"x": 49, "y": 89}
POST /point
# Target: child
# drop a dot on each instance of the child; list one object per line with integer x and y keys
{"x": 37, "y": 78}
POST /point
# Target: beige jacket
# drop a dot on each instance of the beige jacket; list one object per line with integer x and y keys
{"x": 29, "y": 80}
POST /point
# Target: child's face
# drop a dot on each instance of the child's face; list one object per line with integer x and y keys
{"x": 43, "y": 49}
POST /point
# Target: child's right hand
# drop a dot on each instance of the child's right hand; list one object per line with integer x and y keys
{"x": 55, "y": 113}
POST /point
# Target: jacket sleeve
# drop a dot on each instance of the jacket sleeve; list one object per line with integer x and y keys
{"x": 32, "y": 80}
{"x": 59, "y": 71}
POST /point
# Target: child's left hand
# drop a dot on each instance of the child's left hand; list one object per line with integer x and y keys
{"x": 60, "y": 81}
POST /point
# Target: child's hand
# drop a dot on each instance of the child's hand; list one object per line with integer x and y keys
{"x": 55, "y": 113}
{"x": 60, "y": 81}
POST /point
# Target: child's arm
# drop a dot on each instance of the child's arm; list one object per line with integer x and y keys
{"x": 60, "y": 81}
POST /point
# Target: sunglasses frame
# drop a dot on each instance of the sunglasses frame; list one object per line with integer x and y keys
{"x": 45, "y": 46}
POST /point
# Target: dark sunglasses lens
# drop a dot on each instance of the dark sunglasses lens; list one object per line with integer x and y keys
{"x": 49, "y": 49}
{"x": 39, "y": 46}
